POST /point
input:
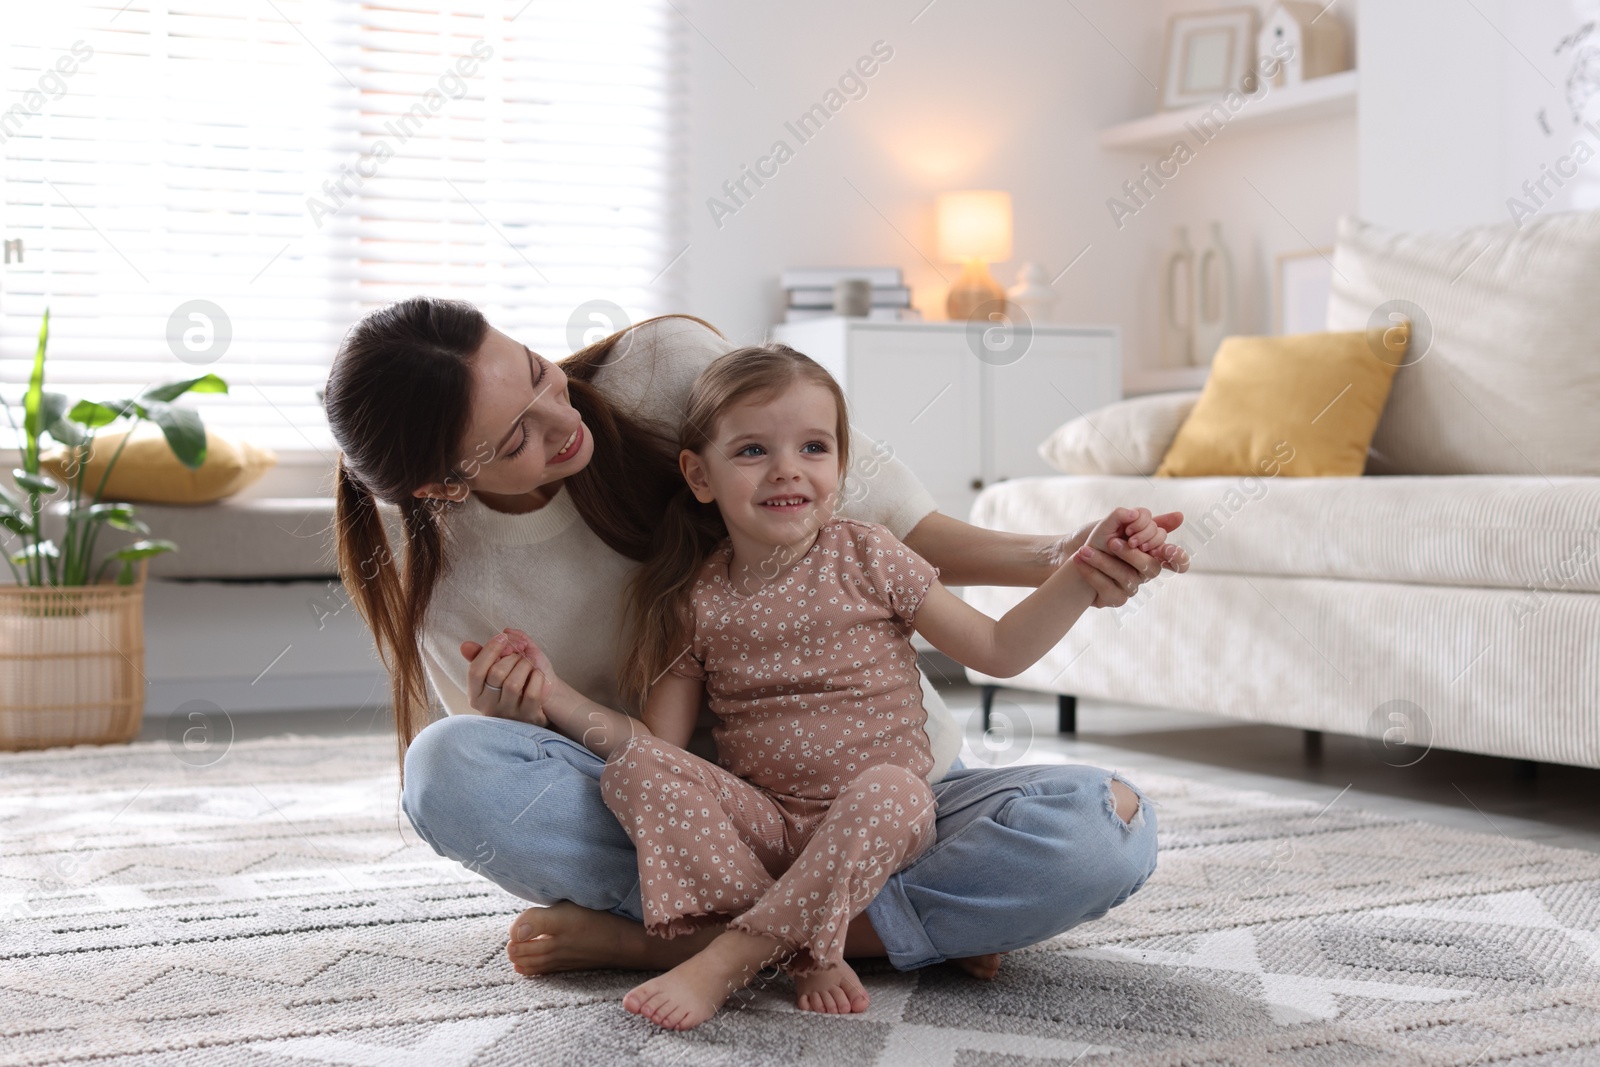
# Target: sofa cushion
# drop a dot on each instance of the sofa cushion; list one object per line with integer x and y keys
{"x": 1534, "y": 534}
{"x": 1306, "y": 404}
{"x": 1127, "y": 437}
{"x": 1509, "y": 381}
{"x": 148, "y": 471}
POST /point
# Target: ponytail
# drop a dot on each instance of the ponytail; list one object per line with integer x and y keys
{"x": 368, "y": 570}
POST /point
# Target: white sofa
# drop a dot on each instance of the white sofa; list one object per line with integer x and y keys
{"x": 1448, "y": 598}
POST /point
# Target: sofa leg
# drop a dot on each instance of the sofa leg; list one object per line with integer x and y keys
{"x": 986, "y": 702}
{"x": 1067, "y": 714}
{"x": 1313, "y": 741}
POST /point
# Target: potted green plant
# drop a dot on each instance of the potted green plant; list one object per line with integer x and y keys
{"x": 71, "y": 642}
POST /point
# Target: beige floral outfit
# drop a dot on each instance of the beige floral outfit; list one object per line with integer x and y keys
{"x": 819, "y": 793}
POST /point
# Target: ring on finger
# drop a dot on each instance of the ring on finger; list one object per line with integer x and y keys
{"x": 496, "y": 688}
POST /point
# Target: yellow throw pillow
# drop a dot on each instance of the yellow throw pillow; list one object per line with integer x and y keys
{"x": 1304, "y": 405}
{"x": 147, "y": 471}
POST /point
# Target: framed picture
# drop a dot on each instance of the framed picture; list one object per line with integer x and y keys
{"x": 1303, "y": 283}
{"x": 1207, "y": 55}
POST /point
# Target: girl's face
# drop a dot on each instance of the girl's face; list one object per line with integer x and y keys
{"x": 522, "y": 432}
{"x": 772, "y": 466}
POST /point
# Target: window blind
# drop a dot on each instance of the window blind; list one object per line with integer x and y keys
{"x": 179, "y": 173}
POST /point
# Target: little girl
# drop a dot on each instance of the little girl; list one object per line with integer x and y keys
{"x": 795, "y": 623}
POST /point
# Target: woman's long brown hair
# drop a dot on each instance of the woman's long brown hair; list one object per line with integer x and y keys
{"x": 397, "y": 400}
{"x": 656, "y": 613}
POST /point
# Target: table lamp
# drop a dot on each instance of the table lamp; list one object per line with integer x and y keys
{"x": 974, "y": 229}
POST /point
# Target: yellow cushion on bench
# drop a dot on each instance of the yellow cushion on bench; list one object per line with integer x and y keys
{"x": 148, "y": 472}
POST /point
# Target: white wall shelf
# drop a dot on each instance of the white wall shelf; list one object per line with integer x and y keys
{"x": 1334, "y": 94}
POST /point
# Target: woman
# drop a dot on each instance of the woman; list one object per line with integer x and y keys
{"x": 526, "y": 491}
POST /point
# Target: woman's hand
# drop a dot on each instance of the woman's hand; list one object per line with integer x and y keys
{"x": 507, "y": 677}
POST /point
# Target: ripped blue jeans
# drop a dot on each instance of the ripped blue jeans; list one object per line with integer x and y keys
{"x": 1022, "y": 852}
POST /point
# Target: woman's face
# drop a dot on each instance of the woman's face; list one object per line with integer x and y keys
{"x": 522, "y": 431}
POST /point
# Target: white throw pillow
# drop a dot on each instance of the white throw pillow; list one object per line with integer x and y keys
{"x": 1511, "y": 381}
{"x": 1128, "y": 437}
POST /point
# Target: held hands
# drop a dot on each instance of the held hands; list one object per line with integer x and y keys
{"x": 531, "y": 692}
{"x": 1126, "y": 549}
{"x": 1103, "y": 568}
{"x": 509, "y": 677}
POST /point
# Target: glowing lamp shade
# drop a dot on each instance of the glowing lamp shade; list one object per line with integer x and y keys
{"x": 975, "y": 224}
{"x": 974, "y": 229}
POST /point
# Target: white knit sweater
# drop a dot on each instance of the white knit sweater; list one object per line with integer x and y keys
{"x": 547, "y": 573}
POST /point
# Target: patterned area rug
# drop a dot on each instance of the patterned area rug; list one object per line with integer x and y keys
{"x": 275, "y": 909}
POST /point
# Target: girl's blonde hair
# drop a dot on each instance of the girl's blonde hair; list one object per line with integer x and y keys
{"x": 656, "y": 609}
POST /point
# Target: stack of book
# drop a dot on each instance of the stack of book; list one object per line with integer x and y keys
{"x": 809, "y": 292}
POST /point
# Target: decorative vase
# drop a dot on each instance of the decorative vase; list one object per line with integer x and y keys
{"x": 975, "y": 295}
{"x": 1177, "y": 302}
{"x": 71, "y": 664}
{"x": 1213, "y": 306}
{"x": 1032, "y": 293}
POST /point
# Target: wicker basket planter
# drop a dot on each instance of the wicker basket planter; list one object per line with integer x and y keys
{"x": 71, "y": 664}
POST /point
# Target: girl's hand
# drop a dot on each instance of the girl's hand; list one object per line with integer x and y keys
{"x": 512, "y": 664}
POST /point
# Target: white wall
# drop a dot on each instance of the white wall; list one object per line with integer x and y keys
{"x": 1009, "y": 95}
{"x": 1450, "y": 109}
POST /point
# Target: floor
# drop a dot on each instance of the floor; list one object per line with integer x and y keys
{"x": 1556, "y": 805}
{"x": 276, "y": 909}
{"x": 1551, "y": 803}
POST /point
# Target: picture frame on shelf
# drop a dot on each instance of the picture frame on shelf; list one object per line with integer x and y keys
{"x": 1207, "y": 55}
{"x": 1302, "y": 282}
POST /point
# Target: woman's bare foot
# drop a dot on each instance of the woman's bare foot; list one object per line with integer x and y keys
{"x": 985, "y": 966}
{"x": 568, "y": 937}
{"x": 691, "y": 992}
{"x": 835, "y": 990}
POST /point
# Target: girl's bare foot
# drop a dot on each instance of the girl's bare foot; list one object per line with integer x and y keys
{"x": 985, "y": 966}
{"x": 568, "y": 937}
{"x": 835, "y": 990}
{"x": 691, "y": 992}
